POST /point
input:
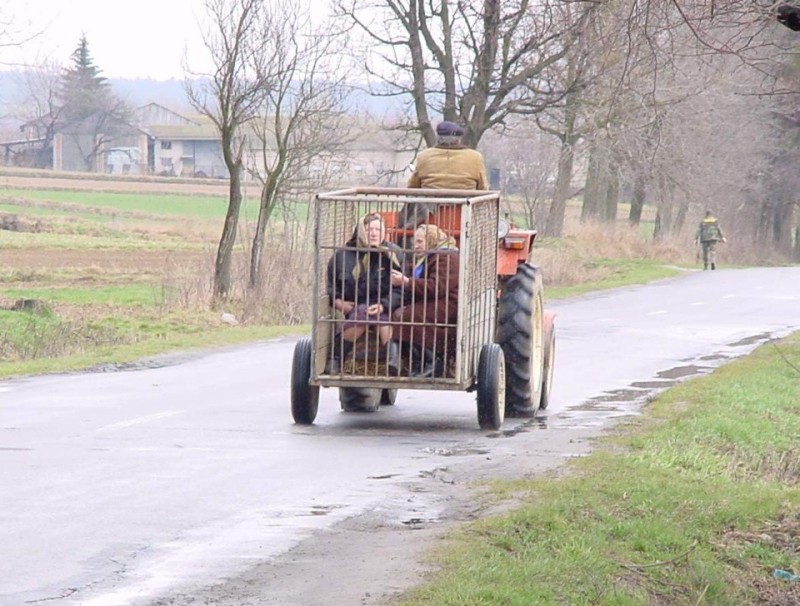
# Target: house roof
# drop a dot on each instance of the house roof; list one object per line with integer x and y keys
{"x": 195, "y": 132}
{"x": 143, "y": 110}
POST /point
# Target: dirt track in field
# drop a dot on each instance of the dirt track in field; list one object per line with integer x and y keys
{"x": 116, "y": 261}
{"x": 205, "y": 187}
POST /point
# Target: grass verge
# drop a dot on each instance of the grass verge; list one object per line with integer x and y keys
{"x": 616, "y": 273}
{"x": 37, "y": 343}
{"x": 696, "y": 502}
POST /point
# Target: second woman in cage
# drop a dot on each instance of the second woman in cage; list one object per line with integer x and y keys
{"x": 427, "y": 321}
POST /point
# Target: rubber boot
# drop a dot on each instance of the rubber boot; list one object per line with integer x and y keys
{"x": 340, "y": 350}
{"x": 713, "y": 266}
{"x": 393, "y": 358}
{"x": 426, "y": 365}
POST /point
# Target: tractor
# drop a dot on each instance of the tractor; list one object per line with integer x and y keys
{"x": 503, "y": 345}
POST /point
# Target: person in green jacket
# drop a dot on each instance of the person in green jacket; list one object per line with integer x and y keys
{"x": 708, "y": 234}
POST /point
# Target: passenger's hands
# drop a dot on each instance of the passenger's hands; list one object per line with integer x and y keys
{"x": 344, "y": 306}
{"x": 398, "y": 278}
{"x": 375, "y": 310}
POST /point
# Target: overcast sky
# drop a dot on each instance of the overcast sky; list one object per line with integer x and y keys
{"x": 134, "y": 39}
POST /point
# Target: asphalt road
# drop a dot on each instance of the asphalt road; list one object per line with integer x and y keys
{"x": 173, "y": 483}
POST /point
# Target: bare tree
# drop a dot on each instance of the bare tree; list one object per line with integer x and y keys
{"x": 14, "y": 35}
{"x": 230, "y": 96}
{"x": 527, "y": 159}
{"x": 472, "y": 62}
{"x": 39, "y": 111}
{"x": 301, "y": 122}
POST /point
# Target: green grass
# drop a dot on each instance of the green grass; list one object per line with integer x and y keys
{"x": 132, "y": 294}
{"x": 694, "y": 503}
{"x": 116, "y": 240}
{"x": 166, "y": 205}
{"x": 196, "y": 206}
{"x": 622, "y": 272}
{"x": 44, "y": 343}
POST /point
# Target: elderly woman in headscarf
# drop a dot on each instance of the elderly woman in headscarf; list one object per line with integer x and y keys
{"x": 359, "y": 285}
{"x": 427, "y": 323}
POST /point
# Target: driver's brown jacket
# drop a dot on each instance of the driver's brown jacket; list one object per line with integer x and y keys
{"x": 449, "y": 168}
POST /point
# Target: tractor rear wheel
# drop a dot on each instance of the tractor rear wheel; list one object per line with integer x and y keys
{"x": 549, "y": 364}
{"x": 305, "y": 397}
{"x": 359, "y": 399}
{"x": 491, "y": 387}
{"x": 520, "y": 332}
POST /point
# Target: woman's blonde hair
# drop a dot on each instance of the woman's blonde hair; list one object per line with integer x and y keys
{"x": 435, "y": 237}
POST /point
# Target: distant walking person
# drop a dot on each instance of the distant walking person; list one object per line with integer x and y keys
{"x": 708, "y": 234}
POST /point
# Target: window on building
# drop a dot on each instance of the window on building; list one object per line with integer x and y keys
{"x": 166, "y": 145}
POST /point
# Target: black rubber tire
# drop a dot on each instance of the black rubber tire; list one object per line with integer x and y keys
{"x": 549, "y": 365}
{"x": 359, "y": 399}
{"x": 520, "y": 332}
{"x": 491, "y": 387}
{"x": 305, "y": 397}
{"x": 388, "y": 397}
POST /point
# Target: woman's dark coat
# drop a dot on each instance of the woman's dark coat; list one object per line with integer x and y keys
{"x": 372, "y": 285}
{"x": 431, "y": 301}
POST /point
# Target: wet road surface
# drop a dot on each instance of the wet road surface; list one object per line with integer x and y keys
{"x": 132, "y": 487}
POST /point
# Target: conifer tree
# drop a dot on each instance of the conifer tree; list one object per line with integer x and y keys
{"x": 83, "y": 91}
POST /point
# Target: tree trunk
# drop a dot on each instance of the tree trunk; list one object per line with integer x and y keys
{"x": 782, "y": 215}
{"x": 222, "y": 267}
{"x": 596, "y": 190}
{"x": 266, "y": 206}
{"x": 680, "y": 216}
{"x": 796, "y": 249}
{"x": 637, "y": 202}
{"x": 566, "y": 159}
{"x": 612, "y": 195}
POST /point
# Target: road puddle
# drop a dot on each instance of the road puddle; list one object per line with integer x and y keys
{"x": 454, "y": 452}
{"x": 596, "y": 411}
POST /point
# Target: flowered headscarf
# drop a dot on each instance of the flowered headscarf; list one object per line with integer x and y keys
{"x": 436, "y": 239}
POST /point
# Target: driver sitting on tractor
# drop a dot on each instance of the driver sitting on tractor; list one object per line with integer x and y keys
{"x": 359, "y": 286}
{"x": 448, "y": 165}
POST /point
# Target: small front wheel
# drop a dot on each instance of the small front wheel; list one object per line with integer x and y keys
{"x": 491, "y": 387}
{"x": 305, "y": 397}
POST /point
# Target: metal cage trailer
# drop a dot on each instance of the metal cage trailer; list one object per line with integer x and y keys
{"x": 469, "y": 315}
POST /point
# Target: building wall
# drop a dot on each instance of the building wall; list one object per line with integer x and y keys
{"x": 187, "y": 158}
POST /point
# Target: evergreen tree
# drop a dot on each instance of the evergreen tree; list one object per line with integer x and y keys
{"x": 83, "y": 91}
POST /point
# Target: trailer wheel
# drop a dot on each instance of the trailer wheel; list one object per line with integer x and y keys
{"x": 520, "y": 332}
{"x": 388, "y": 397}
{"x": 305, "y": 397}
{"x": 491, "y": 387}
{"x": 549, "y": 364}
{"x": 359, "y": 399}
